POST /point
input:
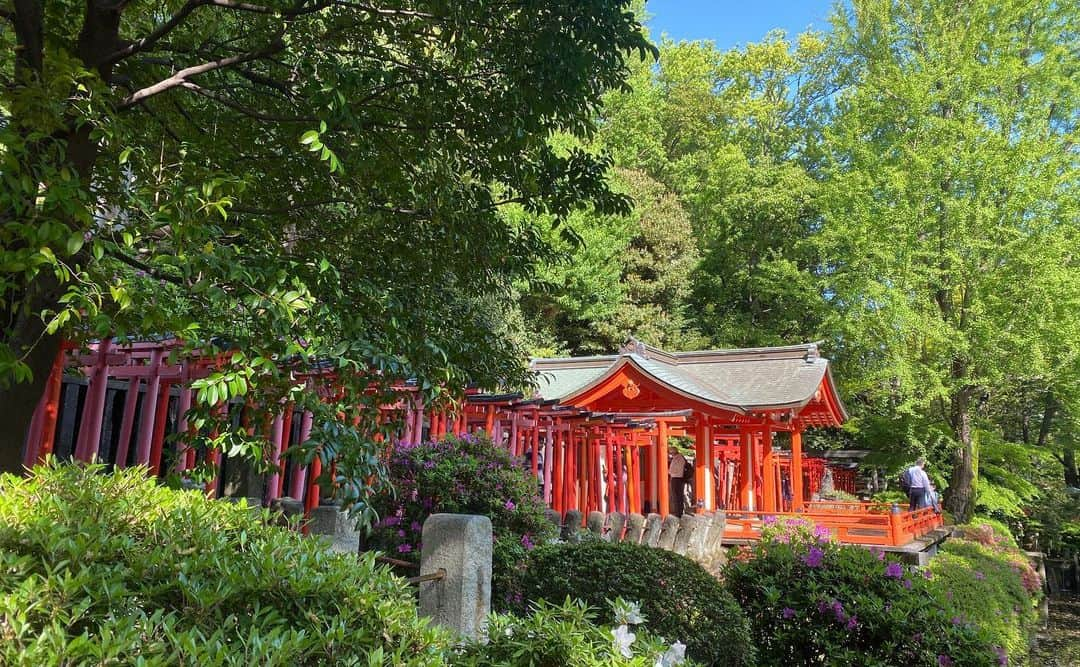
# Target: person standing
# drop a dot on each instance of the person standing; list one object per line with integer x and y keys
{"x": 678, "y": 471}
{"x": 918, "y": 485}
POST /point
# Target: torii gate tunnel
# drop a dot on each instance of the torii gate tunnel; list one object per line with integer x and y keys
{"x": 643, "y": 431}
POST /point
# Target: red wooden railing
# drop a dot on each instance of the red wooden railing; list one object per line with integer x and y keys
{"x": 850, "y": 523}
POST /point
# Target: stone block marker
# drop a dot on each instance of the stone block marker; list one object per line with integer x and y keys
{"x": 651, "y": 536}
{"x": 571, "y": 527}
{"x": 460, "y": 545}
{"x": 669, "y": 530}
{"x": 617, "y": 521}
{"x": 595, "y": 523}
{"x": 335, "y": 528}
{"x": 696, "y": 547}
{"x": 635, "y": 524}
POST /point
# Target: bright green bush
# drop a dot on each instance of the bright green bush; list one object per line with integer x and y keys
{"x": 811, "y": 601}
{"x": 989, "y": 583}
{"x": 114, "y": 569}
{"x": 565, "y": 636}
{"x": 462, "y": 475}
{"x": 679, "y": 599}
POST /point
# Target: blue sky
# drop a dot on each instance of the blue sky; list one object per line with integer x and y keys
{"x": 732, "y": 22}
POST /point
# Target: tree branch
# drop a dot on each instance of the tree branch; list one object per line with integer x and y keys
{"x": 181, "y": 77}
{"x": 141, "y": 266}
{"x": 175, "y": 20}
{"x": 247, "y": 111}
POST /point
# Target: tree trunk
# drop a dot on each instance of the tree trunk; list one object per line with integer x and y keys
{"x": 1072, "y": 475}
{"x": 960, "y": 497}
{"x": 24, "y": 331}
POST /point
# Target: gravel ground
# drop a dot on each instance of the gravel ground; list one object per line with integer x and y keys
{"x": 1059, "y": 644}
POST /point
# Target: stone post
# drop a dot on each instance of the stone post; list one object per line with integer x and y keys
{"x": 335, "y": 528}
{"x": 459, "y": 545}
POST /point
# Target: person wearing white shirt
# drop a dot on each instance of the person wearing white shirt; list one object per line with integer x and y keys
{"x": 919, "y": 491}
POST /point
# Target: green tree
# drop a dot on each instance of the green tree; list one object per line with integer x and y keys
{"x": 619, "y": 275}
{"x": 295, "y": 179}
{"x": 950, "y": 204}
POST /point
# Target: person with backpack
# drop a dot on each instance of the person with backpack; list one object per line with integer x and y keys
{"x": 918, "y": 485}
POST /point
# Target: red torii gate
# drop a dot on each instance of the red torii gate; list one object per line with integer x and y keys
{"x": 596, "y": 435}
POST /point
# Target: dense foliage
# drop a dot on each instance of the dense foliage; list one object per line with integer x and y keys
{"x": 990, "y": 583}
{"x": 678, "y": 598}
{"x": 902, "y": 187}
{"x": 567, "y": 635}
{"x": 114, "y": 569}
{"x": 811, "y": 601}
{"x": 462, "y": 475}
{"x": 293, "y": 180}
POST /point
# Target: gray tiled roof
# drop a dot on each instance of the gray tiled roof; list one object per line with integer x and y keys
{"x": 740, "y": 380}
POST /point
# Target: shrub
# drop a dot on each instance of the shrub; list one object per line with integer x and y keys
{"x": 811, "y": 601}
{"x": 114, "y": 569}
{"x": 991, "y": 584}
{"x": 463, "y": 475}
{"x": 565, "y": 636}
{"x": 679, "y": 599}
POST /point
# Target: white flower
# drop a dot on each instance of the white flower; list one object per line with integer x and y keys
{"x": 628, "y": 613}
{"x": 509, "y": 631}
{"x": 676, "y": 655}
{"x": 623, "y": 639}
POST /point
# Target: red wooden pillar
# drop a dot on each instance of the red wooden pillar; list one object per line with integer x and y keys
{"x": 182, "y": 426}
{"x": 157, "y": 439}
{"x": 614, "y": 472}
{"x": 489, "y": 421}
{"x": 534, "y": 436}
{"x": 746, "y": 470}
{"x": 299, "y": 478}
{"x": 636, "y": 478}
{"x": 312, "y": 499}
{"x": 127, "y": 423}
{"x": 797, "y": 502}
{"x": 94, "y": 406}
{"x": 43, "y": 432}
{"x": 663, "y": 482}
{"x": 272, "y": 483}
{"x": 150, "y": 404}
{"x": 768, "y": 472}
{"x": 52, "y": 404}
{"x": 702, "y": 476}
{"x": 286, "y": 433}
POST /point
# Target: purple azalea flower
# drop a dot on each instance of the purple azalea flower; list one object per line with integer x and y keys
{"x": 404, "y": 548}
{"x": 907, "y": 584}
{"x": 852, "y": 623}
{"x": 822, "y": 532}
{"x": 788, "y": 613}
{"x": 1002, "y": 655}
{"x": 415, "y": 526}
{"x": 894, "y": 570}
{"x": 527, "y": 542}
{"x": 401, "y": 533}
{"x": 391, "y": 521}
{"x": 509, "y": 506}
{"x": 769, "y": 520}
{"x": 814, "y": 557}
{"x": 979, "y": 576}
{"x": 822, "y": 606}
{"x": 429, "y": 464}
{"x": 944, "y": 661}
{"x": 927, "y": 574}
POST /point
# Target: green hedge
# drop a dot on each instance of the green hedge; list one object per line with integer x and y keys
{"x": 811, "y": 601}
{"x": 563, "y": 636}
{"x": 114, "y": 569}
{"x": 679, "y": 599}
{"x": 986, "y": 581}
{"x": 462, "y": 475}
